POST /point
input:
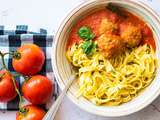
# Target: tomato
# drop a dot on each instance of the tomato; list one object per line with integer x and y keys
{"x": 38, "y": 89}
{"x": 30, "y": 112}
{"x": 28, "y": 59}
{"x": 7, "y": 89}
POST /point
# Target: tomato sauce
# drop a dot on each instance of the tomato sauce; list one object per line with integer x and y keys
{"x": 94, "y": 20}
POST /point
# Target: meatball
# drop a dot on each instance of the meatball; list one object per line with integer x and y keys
{"x": 132, "y": 36}
{"x": 110, "y": 45}
{"x": 107, "y": 26}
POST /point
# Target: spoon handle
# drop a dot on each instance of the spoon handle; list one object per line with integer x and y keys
{"x": 50, "y": 115}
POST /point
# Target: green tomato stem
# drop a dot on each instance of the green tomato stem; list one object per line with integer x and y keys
{"x": 18, "y": 92}
{"x": 3, "y": 61}
{"x": 13, "y": 79}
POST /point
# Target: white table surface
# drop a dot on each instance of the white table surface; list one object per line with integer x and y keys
{"x": 48, "y": 14}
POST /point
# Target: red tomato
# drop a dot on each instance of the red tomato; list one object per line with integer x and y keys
{"x": 38, "y": 89}
{"x": 29, "y": 60}
{"x": 32, "y": 113}
{"x": 7, "y": 89}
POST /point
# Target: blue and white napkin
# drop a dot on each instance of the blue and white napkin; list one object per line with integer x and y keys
{"x": 10, "y": 40}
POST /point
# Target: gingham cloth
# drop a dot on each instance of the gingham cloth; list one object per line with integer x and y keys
{"x": 11, "y": 39}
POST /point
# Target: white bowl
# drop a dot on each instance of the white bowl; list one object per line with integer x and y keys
{"x": 62, "y": 68}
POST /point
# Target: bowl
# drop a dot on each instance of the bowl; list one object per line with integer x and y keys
{"x": 62, "y": 68}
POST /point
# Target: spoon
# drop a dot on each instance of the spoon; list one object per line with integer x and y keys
{"x": 50, "y": 115}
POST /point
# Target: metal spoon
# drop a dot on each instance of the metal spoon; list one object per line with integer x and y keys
{"x": 50, "y": 115}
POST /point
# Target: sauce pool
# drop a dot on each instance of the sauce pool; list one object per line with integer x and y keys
{"x": 94, "y": 20}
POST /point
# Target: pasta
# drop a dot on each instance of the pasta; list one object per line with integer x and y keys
{"x": 113, "y": 81}
{"x": 114, "y": 52}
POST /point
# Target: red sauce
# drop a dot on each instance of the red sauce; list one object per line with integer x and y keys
{"x": 93, "y": 21}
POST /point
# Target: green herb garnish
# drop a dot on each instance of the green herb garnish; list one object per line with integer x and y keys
{"x": 116, "y": 10}
{"x": 88, "y": 47}
{"x": 85, "y": 33}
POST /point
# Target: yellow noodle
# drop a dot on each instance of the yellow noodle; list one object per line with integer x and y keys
{"x": 115, "y": 81}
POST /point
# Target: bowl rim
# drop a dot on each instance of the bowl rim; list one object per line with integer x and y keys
{"x": 57, "y": 76}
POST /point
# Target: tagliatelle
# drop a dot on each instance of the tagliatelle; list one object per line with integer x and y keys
{"x": 114, "y": 81}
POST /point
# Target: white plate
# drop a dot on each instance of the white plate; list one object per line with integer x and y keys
{"x": 62, "y": 68}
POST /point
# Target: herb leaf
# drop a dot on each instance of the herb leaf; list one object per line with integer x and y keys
{"x": 85, "y": 33}
{"x": 88, "y": 47}
{"x": 116, "y": 10}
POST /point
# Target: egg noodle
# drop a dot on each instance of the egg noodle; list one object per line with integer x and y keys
{"x": 115, "y": 81}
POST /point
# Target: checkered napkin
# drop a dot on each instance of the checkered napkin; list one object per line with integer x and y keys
{"x": 11, "y": 39}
